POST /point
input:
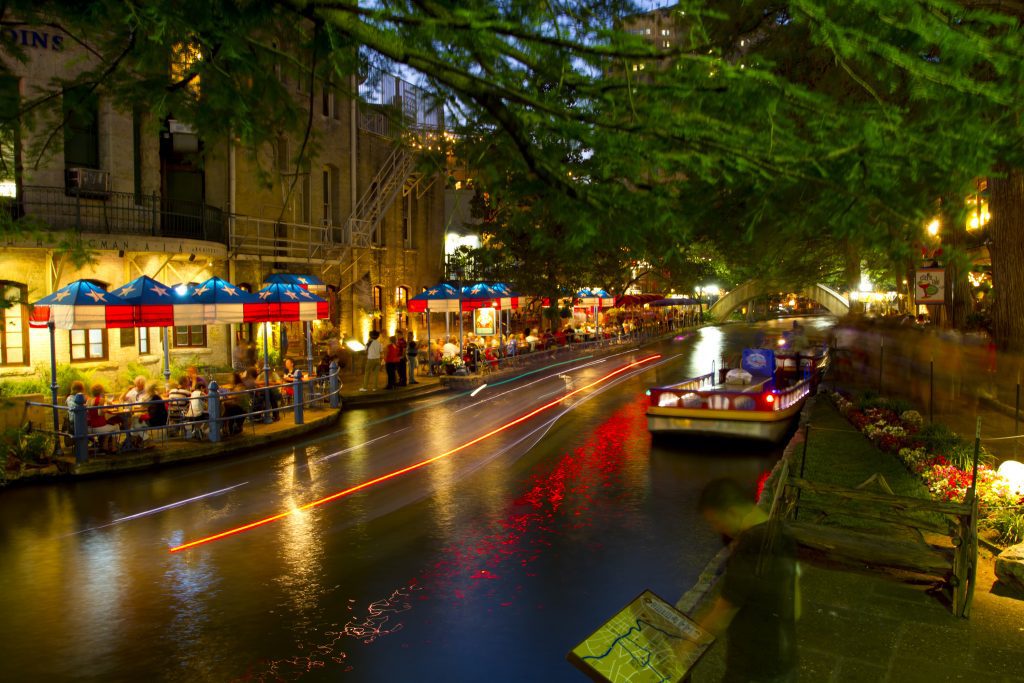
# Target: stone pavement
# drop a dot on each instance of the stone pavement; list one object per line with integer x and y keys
{"x": 868, "y": 626}
{"x": 862, "y": 624}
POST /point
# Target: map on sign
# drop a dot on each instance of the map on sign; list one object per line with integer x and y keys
{"x": 648, "y": 640}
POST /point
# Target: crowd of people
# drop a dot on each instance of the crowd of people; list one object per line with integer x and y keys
{"x": 402, "y": 357}
{"x": 126, "y": 421}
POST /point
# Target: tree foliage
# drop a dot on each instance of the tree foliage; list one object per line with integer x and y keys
{"x": 782, "y": 135}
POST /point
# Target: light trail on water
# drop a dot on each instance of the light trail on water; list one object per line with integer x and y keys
{"x": 414, "y": 466}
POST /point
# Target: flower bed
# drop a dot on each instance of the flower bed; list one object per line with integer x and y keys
{"x": 942, "y": 463}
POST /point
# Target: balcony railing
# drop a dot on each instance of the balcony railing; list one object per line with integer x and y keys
{"x": 123, "y": 213}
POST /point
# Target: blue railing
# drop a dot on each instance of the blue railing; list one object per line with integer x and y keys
{"x": 305, "y": 392}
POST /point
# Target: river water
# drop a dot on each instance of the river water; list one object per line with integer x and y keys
{"x": 490, "y": 562}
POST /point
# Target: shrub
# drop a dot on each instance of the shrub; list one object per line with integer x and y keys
{"x": 1008, "y": 522}
{"x": 871, "y": 400}
{"x": 128, "y": 372}
{"x": 29, "y": 446}
{"x": 938, "y": 438}
{"x": 912, "y": 418}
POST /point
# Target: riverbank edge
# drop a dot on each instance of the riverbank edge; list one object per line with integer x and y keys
{"x": 141, "y": 460}
{"x": 705, "y": 589}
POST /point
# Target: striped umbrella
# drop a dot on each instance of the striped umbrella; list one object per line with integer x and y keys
{"x": 297, "y": 279}
{"x": 152, "y": 302}
{"x": 439, "y": 299}
{"x": 290, "y": 303}
{"x": 217, "y": 301}
{"x": 81, "y": 305}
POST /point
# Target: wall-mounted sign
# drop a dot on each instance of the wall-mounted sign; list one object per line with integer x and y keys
{"x": 27, "y": 37}
{"x": 485, "y": 322}
{"x": 930, "y": 285}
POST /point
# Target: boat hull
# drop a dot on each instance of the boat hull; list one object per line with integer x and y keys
{"x": 755, "y": 425}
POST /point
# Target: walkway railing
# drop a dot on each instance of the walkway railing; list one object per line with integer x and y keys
{"x": 212, "y": 424}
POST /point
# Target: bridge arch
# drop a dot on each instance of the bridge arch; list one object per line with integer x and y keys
{"x": 830, "y": 299}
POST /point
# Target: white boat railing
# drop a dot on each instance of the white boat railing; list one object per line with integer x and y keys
{"x": 792, "y": 395}
{"x": 694, "y": 384}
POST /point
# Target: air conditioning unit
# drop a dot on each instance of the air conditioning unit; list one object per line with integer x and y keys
{"x": 87, "y": 182}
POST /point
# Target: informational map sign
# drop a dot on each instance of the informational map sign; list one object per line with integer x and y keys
{"x": 648, "y": 641}
{"x": 930, "y": 285}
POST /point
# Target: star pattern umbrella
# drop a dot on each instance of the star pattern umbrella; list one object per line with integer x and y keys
{"x": 152, "y": 302}
{"x": 289, "y": 303}
{"x": 480, "y": 295}
{"x": 594, "y": 297}
{"x": 438, "y": 299}
{"x": 81, "y": 305}
{"x": 299, "y": 280}
{"x": 217, "y": 301}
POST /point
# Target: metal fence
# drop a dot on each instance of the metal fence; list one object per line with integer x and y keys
{"x": 123, "y": 213}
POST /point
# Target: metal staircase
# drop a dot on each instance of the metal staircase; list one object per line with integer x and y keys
{"x": 391, "y": 178}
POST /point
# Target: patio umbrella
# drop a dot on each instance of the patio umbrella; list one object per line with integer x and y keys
{"x": 289, "y": 303}
{"x": 626, "y": 300}
{"x": 297, "y": 279}
{"x": 438, "y": 299}
{"x": 152, "y": 306}
{"x": 80, "y": 305}
{"x": 442, "y": 298}
{"x": 595, "y": 298}
{"x": 217, "y": 301}
{"x": 676, "y": 301}
{"x": 303, "y": 282}
{"x": 509, "y": 300}
{"x": 480, "y": 295}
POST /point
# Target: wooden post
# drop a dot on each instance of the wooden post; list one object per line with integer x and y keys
{"x": 977, "y": 448}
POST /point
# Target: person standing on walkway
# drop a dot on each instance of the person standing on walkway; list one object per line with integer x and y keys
{"x": 392, "y": 360}
{"x": 412, "y": 353}
{"x": 399, "y": 341}
{"x": 372, "y": 366}
{"x": 759, "y": 603}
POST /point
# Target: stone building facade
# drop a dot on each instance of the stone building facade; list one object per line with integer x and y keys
{"x": 359, "y": 216}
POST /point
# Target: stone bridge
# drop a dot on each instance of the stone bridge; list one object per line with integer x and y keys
{"x": 827, "y": 297}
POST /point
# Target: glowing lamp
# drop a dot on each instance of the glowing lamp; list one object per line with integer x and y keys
{"x": 1013, "y": 472}
{"x": 354, "y": 345}
{"x": 769, "y": 399}
{"x": 933, "y": 227}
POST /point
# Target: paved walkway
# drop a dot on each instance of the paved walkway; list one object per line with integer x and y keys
{"x": 869, "y": 625}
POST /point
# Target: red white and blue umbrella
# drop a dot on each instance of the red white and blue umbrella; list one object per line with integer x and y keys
{"x": 81, "y": 305}
{"x": 480, "y": 295}
{"x": 509, "y": 299}
{"x": 290, "y": 303}
{"x": 594, "y": 297}
{"x": 217, "y": 301}
{"x": 438, "y": 299}
{"x": 297, "y": 279}
{"x": 152, "y": 302}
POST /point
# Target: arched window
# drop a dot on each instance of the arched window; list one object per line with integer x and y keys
{"x": 14, "y": 334}
{"x": 401, "y": 295}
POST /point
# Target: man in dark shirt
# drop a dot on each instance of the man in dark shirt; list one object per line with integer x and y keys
{"x": 759, "y": 601}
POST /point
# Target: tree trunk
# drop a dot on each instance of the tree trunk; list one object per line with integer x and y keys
{"x": 1006, "y": 197}
{"x": 958, "y": 302}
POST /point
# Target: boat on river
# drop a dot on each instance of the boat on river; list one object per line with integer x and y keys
{"x": 758, "y": 400}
